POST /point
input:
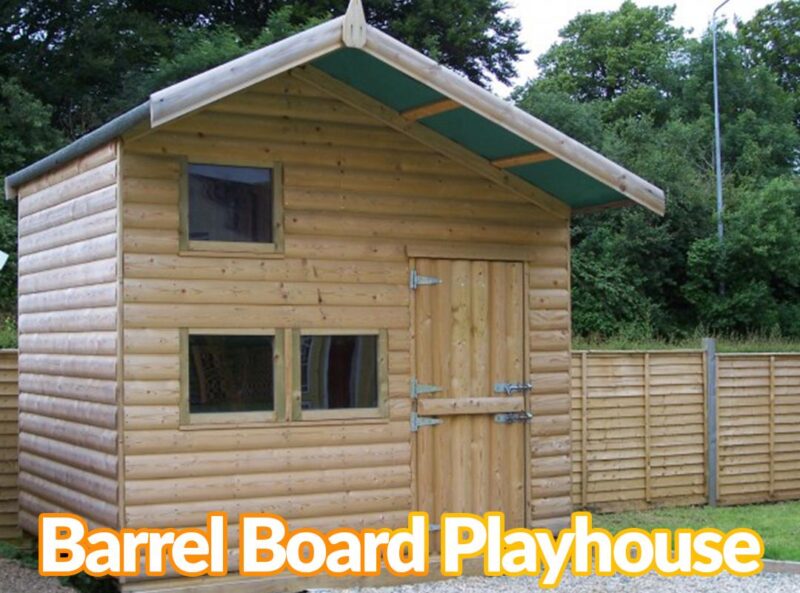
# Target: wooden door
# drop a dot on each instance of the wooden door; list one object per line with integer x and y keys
{"x": 469, "y": 337}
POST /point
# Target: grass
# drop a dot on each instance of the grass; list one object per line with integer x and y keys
{"x": 724, "y": 344}
{"x": 777, "y": 524}
{"x": 8, "y": 333}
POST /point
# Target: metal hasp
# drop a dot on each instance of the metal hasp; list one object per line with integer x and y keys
{"x": 418, "y": 389}
{"x": 513, "y": 417}
{"x": 416, "y": 280}
{"x": 418, "y": 421}
{"x": 509, "y": 388}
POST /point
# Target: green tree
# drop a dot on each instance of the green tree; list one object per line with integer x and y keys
{"x": 25, "y": 135}
{"x": 626, "y": 58}
{"x": 771, "y": 37}
{"x": 758, "y": 264}
{"x": 76, "y": 55}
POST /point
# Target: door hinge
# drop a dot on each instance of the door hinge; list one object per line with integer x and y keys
{"x": 416, "y": 280}
{"x": 509, "y": 388}
{"x": 418, "y": 421}
{"x": 418, "y": 389}
{"x": 513, "y": 417}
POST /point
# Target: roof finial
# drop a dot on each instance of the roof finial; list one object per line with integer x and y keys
{"x": 354, "y": 28}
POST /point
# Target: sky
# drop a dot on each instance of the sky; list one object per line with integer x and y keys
{"x": 542, "y": 19}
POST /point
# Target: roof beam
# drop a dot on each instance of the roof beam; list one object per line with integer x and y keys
{"x": 431, "y": 139}
{"x": 530, "y": 158}
{"x": 430, "y": 109}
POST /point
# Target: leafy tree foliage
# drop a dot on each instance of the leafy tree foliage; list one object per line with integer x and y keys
{"x": 25, "y": 134}
{"x": 634, "y": 86}
{"x": 629, "y": 83}
{"x": 88, "y": 48}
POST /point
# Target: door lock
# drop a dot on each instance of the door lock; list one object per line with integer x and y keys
{"x": 510, "y": 388}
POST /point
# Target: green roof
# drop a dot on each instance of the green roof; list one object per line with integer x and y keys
{"x": 393, "y": 88}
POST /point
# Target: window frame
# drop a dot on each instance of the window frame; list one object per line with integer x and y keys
{"x": 381, "y": 411}
{"x": 206, "y": 248}
{"x": 229, "y": 419}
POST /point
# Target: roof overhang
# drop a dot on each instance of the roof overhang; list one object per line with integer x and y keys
{"x": 391, "y": 79}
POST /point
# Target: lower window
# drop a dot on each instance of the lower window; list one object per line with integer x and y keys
{"x": 339, "y": 372}
{"x": 230, "y": 374}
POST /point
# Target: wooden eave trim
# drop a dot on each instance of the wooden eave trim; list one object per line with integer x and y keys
{"x": 430, "y": 109}
{"x": 515, "y": 120}
{"x": 530, "y": 158}
{"x": 431, "y": 139}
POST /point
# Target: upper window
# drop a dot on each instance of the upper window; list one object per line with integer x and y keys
{"x": 230, "y": 205}
{"x": 231, "y": 373}
{"x": 339, "y": 372}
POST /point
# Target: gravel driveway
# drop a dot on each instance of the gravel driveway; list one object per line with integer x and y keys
{"x": 763, "y": 583}
{"x": 18, "y": 579}
{"x": 15, "y": 578}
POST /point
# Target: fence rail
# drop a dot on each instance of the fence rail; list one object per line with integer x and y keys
{"x": 8, "y": 444}
{"x": 640, "y": 428}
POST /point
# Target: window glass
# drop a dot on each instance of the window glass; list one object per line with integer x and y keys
{"x": 231, "y": 373}
{"x": 339, "y": 372}
{"x": 231, "y": 204}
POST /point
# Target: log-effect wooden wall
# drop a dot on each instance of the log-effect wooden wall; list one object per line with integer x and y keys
{"x": 355, "y": 195}
{"x": 9, "y": 493}
{"x": 68, "y": 341}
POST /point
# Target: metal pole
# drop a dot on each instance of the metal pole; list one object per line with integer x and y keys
{"x": 717, "y": 140}
{"x": 712, "y": 456}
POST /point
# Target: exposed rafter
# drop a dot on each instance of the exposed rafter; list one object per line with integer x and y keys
{"x": 431, "y": 139}
{"x": 530, "y": 158}
{"x": 430, "y": 109}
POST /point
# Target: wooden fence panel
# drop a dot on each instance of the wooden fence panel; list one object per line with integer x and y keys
{"x": 759, "y": 427}
{"x": 8, "y": 445}
{"x": 638, "y": 429}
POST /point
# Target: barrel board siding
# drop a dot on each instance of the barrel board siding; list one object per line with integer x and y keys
{"x": 358, "y": 199}
{"x": 9, "y": 493}
{"x": 68, "y": 338}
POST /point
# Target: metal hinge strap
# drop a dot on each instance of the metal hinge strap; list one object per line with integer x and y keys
{"x": 418, "y": 389}
{"x": 418, "y": 421}
{"x": 419, "y": 280}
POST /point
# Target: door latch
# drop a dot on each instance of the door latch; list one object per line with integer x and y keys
{"x": 513, "y": 417}
{"x": 509, "y": 388}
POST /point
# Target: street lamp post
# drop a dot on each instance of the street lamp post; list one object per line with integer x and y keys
{"x": 717, "y": 139}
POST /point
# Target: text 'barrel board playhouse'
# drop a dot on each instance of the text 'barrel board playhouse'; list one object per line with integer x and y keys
{"x": 328, "y": 280}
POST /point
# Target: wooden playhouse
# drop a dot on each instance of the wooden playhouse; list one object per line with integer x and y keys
{"x": 328, "y": 280}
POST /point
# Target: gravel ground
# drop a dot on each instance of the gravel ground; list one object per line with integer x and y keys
{"x": 763, "y": 583}
{"x": 18, "y": 579}
{"x": 15, "y": 578}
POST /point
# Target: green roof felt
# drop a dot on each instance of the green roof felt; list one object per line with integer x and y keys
{"x": 393, "y": 88}
{"x": 478, "y": 134}
{"x": 377, "y": 79}
{"x": 567, "y": 183}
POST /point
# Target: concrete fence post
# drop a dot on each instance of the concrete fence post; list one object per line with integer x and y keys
{"x": 710, "y": 348}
